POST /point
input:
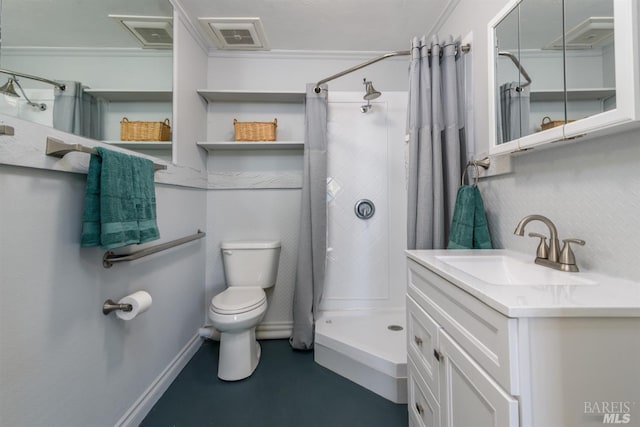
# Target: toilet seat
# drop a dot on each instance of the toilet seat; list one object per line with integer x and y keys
{"x": 237, "y": 300}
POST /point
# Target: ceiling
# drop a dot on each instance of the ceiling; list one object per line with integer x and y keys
{"x": 308, "y": 25}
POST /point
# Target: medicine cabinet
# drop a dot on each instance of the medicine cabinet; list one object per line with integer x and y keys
{"x": 561, "y": 70}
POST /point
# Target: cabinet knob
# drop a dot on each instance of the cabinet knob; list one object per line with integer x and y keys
{"x": 437, "y": 354}
{"x": 419, "y": 408}
{"x": 417, "y": 340}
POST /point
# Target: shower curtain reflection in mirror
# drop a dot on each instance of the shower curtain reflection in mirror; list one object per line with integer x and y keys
{"x": 513, "y": 119}
{"x": 77, "y": 111}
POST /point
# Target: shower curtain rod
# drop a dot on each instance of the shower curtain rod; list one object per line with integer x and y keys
{"x": 60, "y": 86}
{"x": 464, "y": 48}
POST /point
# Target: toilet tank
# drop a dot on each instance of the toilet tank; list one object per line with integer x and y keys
{"x": 251, "y": 263}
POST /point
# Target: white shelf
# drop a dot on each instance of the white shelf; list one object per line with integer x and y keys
{"x": 251, "y": 145}
{"x": 249, "y": 96}
{"x": 572, "y": 94}
{"x": 141, "y": 145}
{"x": 114, "y": 95}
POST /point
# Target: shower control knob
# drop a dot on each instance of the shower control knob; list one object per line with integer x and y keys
{"x": 364, "y": 209}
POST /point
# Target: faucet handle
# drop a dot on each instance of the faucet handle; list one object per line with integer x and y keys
{"x": 566, "y": 254}
{"x": 543, "y": 248}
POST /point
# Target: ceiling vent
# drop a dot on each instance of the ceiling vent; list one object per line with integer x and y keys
{"x": 236, "y": 33}
{"x": 153, "y": 32}
{"x": 591, "y": 33}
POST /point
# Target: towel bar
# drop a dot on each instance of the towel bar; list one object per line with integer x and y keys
{"x": 57, "y": 148}
{"x": 109, "y": 257}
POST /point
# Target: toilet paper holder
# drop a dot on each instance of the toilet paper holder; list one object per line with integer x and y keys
{"x": 110, "y": 305}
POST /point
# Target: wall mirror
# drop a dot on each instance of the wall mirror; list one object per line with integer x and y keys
{"x": 555, "y": 63}
{"x": 106, "y": 68}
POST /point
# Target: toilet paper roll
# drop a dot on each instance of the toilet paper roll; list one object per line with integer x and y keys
{"x": 140, "y": 302}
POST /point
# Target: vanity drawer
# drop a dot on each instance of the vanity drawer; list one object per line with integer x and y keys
{"x": 422, "y": 342}
{"x": 424, "y": 410}
{"x": 488, "y": 336}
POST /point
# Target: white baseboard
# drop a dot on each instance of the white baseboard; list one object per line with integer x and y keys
{"x": 136, "y": 413}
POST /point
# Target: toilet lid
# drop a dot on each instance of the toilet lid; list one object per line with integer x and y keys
{"x": 238, "y": 300}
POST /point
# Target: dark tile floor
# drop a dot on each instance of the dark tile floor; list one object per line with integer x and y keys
{"x": 287, "y": 389}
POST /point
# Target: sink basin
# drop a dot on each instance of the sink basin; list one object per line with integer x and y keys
{"x": 508, "y": 271}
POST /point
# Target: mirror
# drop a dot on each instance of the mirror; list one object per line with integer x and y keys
{"x": 67, "y": 41}
{"x": 545, "y": 78}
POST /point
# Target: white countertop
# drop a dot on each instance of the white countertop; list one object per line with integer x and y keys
{"x": 606, "y": 297}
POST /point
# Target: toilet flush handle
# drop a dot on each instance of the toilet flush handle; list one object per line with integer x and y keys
{"x": 227, "y": 252}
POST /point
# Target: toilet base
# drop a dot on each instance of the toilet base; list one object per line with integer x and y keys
{"x": 239, "y": 355}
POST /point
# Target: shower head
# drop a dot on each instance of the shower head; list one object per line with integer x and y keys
{"x": 8, "y": 89}
{"x": 371, "y": 92}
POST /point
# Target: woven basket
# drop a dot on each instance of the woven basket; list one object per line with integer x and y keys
{"x": 255, "y": 131}
{"x": 145, "y": 131}
{"x": 547, "y": 123}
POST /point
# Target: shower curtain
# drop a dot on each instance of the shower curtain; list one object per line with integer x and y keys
{"x": 437, "y": 148}
{"x": 312, "y": 243}
{"x": 513, "y": 120}
{"x": 77, "y": 111}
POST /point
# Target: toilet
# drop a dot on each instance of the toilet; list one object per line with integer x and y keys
{"x": 249, "y": 268}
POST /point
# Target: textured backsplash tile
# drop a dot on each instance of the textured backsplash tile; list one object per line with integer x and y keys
{"x": 589, "y": 189}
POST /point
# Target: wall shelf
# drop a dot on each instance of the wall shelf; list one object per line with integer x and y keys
{"x": 114, "y": 95}
{"x": 572, "y": 95}
{"x": 250, "y": 96}
{"x": 251, "y": 145}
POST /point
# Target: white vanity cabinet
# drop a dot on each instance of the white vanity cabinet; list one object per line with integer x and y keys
{"x": 476, "y": 361}
{"x": 447, "y": 385}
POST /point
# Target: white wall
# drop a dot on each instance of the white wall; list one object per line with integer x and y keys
{"x": 62, "y": 362}
{"x": 589, "y": 188}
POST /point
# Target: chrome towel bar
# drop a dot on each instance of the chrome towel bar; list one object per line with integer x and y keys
{"x": 57, "y": 148}
{"x": 109, "y": 257}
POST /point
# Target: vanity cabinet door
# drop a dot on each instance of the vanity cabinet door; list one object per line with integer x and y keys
{"x": 468, "y": 396}
{"x": 422, "y": 341}
{"x": 424, "y": 410}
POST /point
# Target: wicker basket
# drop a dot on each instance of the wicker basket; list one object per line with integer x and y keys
{"x": 255, "y": 131}
{"x": 145, "y": 131}
{"x": 547, "y": 123}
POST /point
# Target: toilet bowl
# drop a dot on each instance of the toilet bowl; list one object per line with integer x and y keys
{"x": 249, "y": 268}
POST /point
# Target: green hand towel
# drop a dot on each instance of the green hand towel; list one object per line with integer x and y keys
{"x": 120, "y": 204}
{"x": 469, "y": 229}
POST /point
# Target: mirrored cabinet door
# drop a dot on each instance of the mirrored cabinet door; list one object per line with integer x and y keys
{"x": 590, "y": 57}
{"x": 541, "y": 55}
{"x": 510, "y": 87}
{"x": 529, "y": 74}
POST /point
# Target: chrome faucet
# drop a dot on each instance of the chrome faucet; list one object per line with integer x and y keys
{"x": 551, "y": 255}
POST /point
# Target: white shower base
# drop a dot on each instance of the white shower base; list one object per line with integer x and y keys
{"x": 358, "y": 345}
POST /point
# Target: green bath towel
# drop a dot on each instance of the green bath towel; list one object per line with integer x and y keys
{"x": 469, "y": 229}
{"x": 120, "y": 201}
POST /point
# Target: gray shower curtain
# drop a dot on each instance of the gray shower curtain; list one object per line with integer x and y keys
{"x": 77, "y": 111}
{"x": 312, "y": 243}
{"x": 513, "y": 120}
{"x": 435, "y": 129}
